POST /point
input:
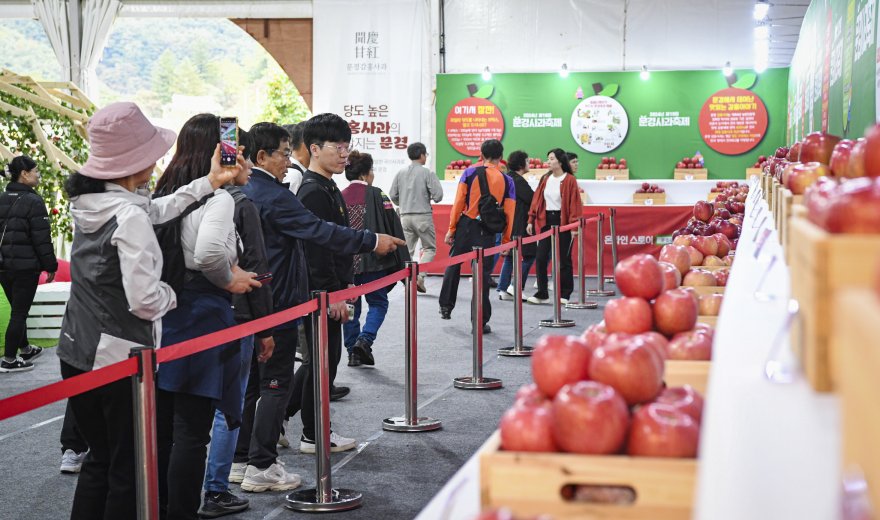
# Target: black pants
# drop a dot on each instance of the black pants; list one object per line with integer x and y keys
{"x": 468, "y": 234}
{"x": 566, "y": 279}
{"x": 20, "y": 288}
{"x": 71, "y": 437}
{"x": 303, "y": 399}
{"x": 183, "y": 430}
{"x": 106, "y": 485}
{"x": 270, "y": 384}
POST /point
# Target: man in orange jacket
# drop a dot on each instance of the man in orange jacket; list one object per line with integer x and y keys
{"x": 466, "y": 228}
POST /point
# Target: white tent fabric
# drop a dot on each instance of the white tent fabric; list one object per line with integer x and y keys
{"x": 53, "y": 17}
{"x": 97, "y": 18}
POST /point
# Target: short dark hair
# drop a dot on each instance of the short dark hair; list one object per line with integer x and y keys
{"x": 192, "y": 159}
{"x": 415, "y": 151}
{"x": 571, "y": 155}
{"x": 267, "y": 137}
{"x": 491, "y": 149}
{"x": 516, "y": 161}
{"x": 78, "y": 184}
{"x": 246, "y": 141}
{"x": 326, "y": 127}
{"x": 296, "y": 134}
{"x": 19, "y": 164}
{"x": 562, "y": 157}
{"x": 359, "y": 164}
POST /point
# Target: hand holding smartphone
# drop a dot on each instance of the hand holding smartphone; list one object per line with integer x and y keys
{"x": 263, "y": 277}
{"x": 228, "y": 141}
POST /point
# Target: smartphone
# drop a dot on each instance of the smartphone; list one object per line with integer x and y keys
{"x": 262, "y": 277}
{"x": 228, "y": 141}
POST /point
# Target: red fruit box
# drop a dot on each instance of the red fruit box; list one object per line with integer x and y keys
{"x": 691, "y": 174}
{"x": 569, "y": 486}
{"x": 612, "y": 175}
{"x": 694, "y": 373}
{"x": 822, "y": 264}
{"x": 649, "y": 199}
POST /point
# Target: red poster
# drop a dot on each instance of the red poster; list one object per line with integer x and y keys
{"x": 470, "y": 122}
{"x": 733, "y": 121}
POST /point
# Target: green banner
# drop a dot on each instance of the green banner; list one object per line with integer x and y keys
{"x": 832, "y": 85}
{"x": 652, "y": 123}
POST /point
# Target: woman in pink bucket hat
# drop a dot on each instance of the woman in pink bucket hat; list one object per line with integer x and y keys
{"x": 116, "y": 298}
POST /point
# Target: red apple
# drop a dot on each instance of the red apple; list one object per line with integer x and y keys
{"x": 528, "y": 428}
{"x": 817, "y": 147}
{"x": 684, "y": 240}
{"x": 818, "y": 198}
{"x": 675, "y": 311}
{"x": 677, "y": 256}
{"x": 690, "y": 346}
{"x": 595, "y": 335}
{"x": 632, "y": 315}
{"x": 639, "y": 276}
{"x": 558, "y": 361}
{"x": 781, "y": 152}
{"x": 713, "y": 261}
{"x": 710, "y": 304}
{"x": 591, "y": 418}
{"x": 857, "y": 159}
{"x": 707, "y": 245}
{"x": 631, "y": 367}
{"x": 803, "y": 176}
{"x": 698, "y": 277}
{"x": 703, "y": 210}
{"x": 723, "y": 241}
{"x": 856, "y": 207}
{"x": 683, "y": 398}
{"x": 695, "y": 256}
{"x": 721, "y": 277}
{"x": 656, "y": 341}
{"x": 839, "y": 163}
{"x": 671, "y": 276}
{"x": 680, "y": 165}
{"x": 794, "y": 152}
{"x": 529, "y": 395}
{"x": 659, "y": 430}
{"x": 872, "y": 151}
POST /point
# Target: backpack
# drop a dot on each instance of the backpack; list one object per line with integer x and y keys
{"x": 492, "y": 217}
{"x": 170, "y": 240}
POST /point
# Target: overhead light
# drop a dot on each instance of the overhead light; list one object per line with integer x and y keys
{"x": 644, "y": 74}
{"x": 762, "y": 32}
{"x": 761, "y": 9}
{"x": 563, "y": 71}
{"x": 487, "y": 75}
{"x": 727, "y": 70}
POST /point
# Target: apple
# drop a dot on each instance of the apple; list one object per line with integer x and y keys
{"x": 817, "y": 147}
{"x": 856, "y": 207}
{"x": 728, "y": 229}
{"x": 675, "y": 311}
{"x": 529, "y": 395}
{"x": 690, "y": 346}
{"x": 680, "y": 165}
{"x": 710, "y": 304}
{"x": 806, "y": 174}
{"x": 794, "y": 152}
{"x": 871, "y": 152}
{"x": 639, "y": 276}
{"x": 723, "y": 240}
{"x": 857, "y": 159}
{"x": 839, "y": 163}
{"x": 786, "y": 173}
{"x": 713, "y": 261}
{"x": 781, "y": 152}
{"x": 818, "y": 198}
{"x": 696, "y": 257}
{"x": 721, "y": 277}
{"x": 683, "y": 398}
{"x": 671, "y": 276}
{"x": 698, "y": 277}
{"x": 660, "y": 430}
{"x": 684, "y": 240}
{"x": 594, "y": 336}
{"x": 590, "y": 417}
{"x": 656, "y": 341}
{"x": 707, "y": 245}
{"x": 559, "y": 360}
{"x": 631, "y": 367}
{"x": 632, "y": 315}
{"x": 528, "y": 428}
{"x": 677, "y": 256}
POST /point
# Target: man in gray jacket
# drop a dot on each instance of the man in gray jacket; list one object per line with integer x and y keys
{"x": 413, "y": 189}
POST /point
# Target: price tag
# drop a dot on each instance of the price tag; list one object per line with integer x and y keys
{"x": 649, "y": 202}
{"x": 781, "y": 366}
{"x": 688, "y": 177}
{"x": 760, "y": 226}
{"x": 609, "y": 177}
{"x": 761, "y": 241}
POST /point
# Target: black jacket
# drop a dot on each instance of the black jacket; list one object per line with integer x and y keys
{"x": 329, "y": 269}
{"x": 380, "y": 217}
{"x": 524, "y": 194}
{"x": 27, "y": 245}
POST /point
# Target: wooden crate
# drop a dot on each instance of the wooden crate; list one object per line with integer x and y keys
{"x": 612, "y": 175}
{"x": 785, "y": 204}
{"x": 711, "y": 196}
{"x": 855, "y": 343}
{"x": 452, "y": 175}
{"x": 536, "y": 173}
{"x": 691, "y": 174}
{"x": 531, "y": 484}
{"x": 753, "y": 171}
{"x": 47, "y": 312}
{"x": 708, "y": 320}
{"x": 649, "y": 199}
{"x": 822, "y": 264}
{"x": 708, "y": 289}
{"x": 694, "y": 373}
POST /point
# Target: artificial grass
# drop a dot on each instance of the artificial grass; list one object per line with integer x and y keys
{"x": 4, "y": 320}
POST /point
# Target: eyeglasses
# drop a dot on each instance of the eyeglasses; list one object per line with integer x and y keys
{"x": 341, "y": 149}
{"x": 285, "y": 154}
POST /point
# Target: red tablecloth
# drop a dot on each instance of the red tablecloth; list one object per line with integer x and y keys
{"x": 640, "y": 229}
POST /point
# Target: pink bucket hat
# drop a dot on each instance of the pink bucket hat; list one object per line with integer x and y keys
{"x": 123, "y": 142}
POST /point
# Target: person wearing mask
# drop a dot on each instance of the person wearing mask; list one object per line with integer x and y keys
{"x": 518, "y": 166}
{"x": 117, "y": 298}
{"x": 413, "y": 189}
{"x": 369, "y": 208}
{"x": 557, "y": 202}
{"x": 190, "y": 388}
{"x": 25, "y": 251}
{"x": 466, "y": 230}
{"x": 299, "y": 157}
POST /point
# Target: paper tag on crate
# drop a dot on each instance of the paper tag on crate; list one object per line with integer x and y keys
{"x": 688, "y": 177}
{"x": 649, "y": 202}
{"x": 609, "y": 177}
{"x": 761, "y": 241}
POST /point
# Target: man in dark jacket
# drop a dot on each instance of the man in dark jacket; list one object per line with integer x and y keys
{"x": 286, "y": 223}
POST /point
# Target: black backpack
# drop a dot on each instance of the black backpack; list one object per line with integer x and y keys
{"x": 170, "y": 241}
{"x": 492, "y": 217}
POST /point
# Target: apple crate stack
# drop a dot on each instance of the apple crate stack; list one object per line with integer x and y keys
{"x": 456, "y": 168}
{"x": 612, "y": 169}
{"x": 691, "y": 169}
{"x": 649, "y": 195}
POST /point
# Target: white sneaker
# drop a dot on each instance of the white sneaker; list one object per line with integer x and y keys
{"x": 549, "y": 285}
{"x": 337, "y": 443}
{"x": 563, "y": 301}
{"x": 538, "y": 301}
{"x": 236, "y": 473}
{"x": 273, "y": 478}
{"x": 282, "y": 439}
{"x": 71, "y": 461}
{"x": 505, "y": 296}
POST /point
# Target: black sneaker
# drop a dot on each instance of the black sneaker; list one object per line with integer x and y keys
{"x": 492, "y": 283}
{"x": 445, "y": 314}
{"x": 221, "y": 504}
{"x": 364, "y": 352}
{"x": 338, "y": 392}
{"x": 33, "y": 352}
{"x": 487, "y": 329}
{"x": 354, "y": 360}
{"x": 17, "y": 365}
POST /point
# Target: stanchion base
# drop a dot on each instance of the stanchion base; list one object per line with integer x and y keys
{"x": 306, "y": 500}
{"x": 597, "y": 292}
{"x": 585, "y": 305}
{"x": 470, "y": 383}
{"x": 400, "y": 424}
{"x": 553, "y": 324}
{"x": 515, "y": 352}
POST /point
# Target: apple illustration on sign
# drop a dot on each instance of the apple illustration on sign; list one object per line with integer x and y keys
{"x": 735, "y": 106}
{"x": 473, "y": 120}
{"x": 599, "y": 123}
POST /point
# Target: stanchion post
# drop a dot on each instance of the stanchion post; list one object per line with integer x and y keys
{"x": 411, "y": 422}
{"x": 611, "y": 218}
{"x": 582, "y": 303}
{"x": 322, "y": 497}
{"x": 557, "y": 321}
{"x": 477, "y": 381}
{"x": 600, "y": 260}
{"x": 517, "y": 350}
{"x": 143, "y": 385}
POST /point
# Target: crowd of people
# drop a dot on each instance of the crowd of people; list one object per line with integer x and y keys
{"x": 157, "y": 268}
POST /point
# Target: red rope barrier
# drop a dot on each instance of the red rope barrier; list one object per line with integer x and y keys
{"x": 568, "y": 227}
{"x": 540, "y": 236}
{"x": 443, "y": 264}
{"x": 367, "y": 288}
{"x": 498, "y": 249}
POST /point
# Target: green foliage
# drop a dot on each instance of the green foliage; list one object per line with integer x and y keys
{"x": 284, "y": 105}
{"x": 26, "y": 50}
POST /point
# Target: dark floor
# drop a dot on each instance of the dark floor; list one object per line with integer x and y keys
{"x": 397, "y": 473}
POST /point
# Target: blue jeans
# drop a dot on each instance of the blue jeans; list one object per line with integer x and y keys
{"x": 378, "y": 302}
{"x": 507, "y": 271}
{"x": 223, "y": 440}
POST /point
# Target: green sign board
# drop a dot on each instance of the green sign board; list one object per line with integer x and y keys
{"x": 652, "y": 123}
